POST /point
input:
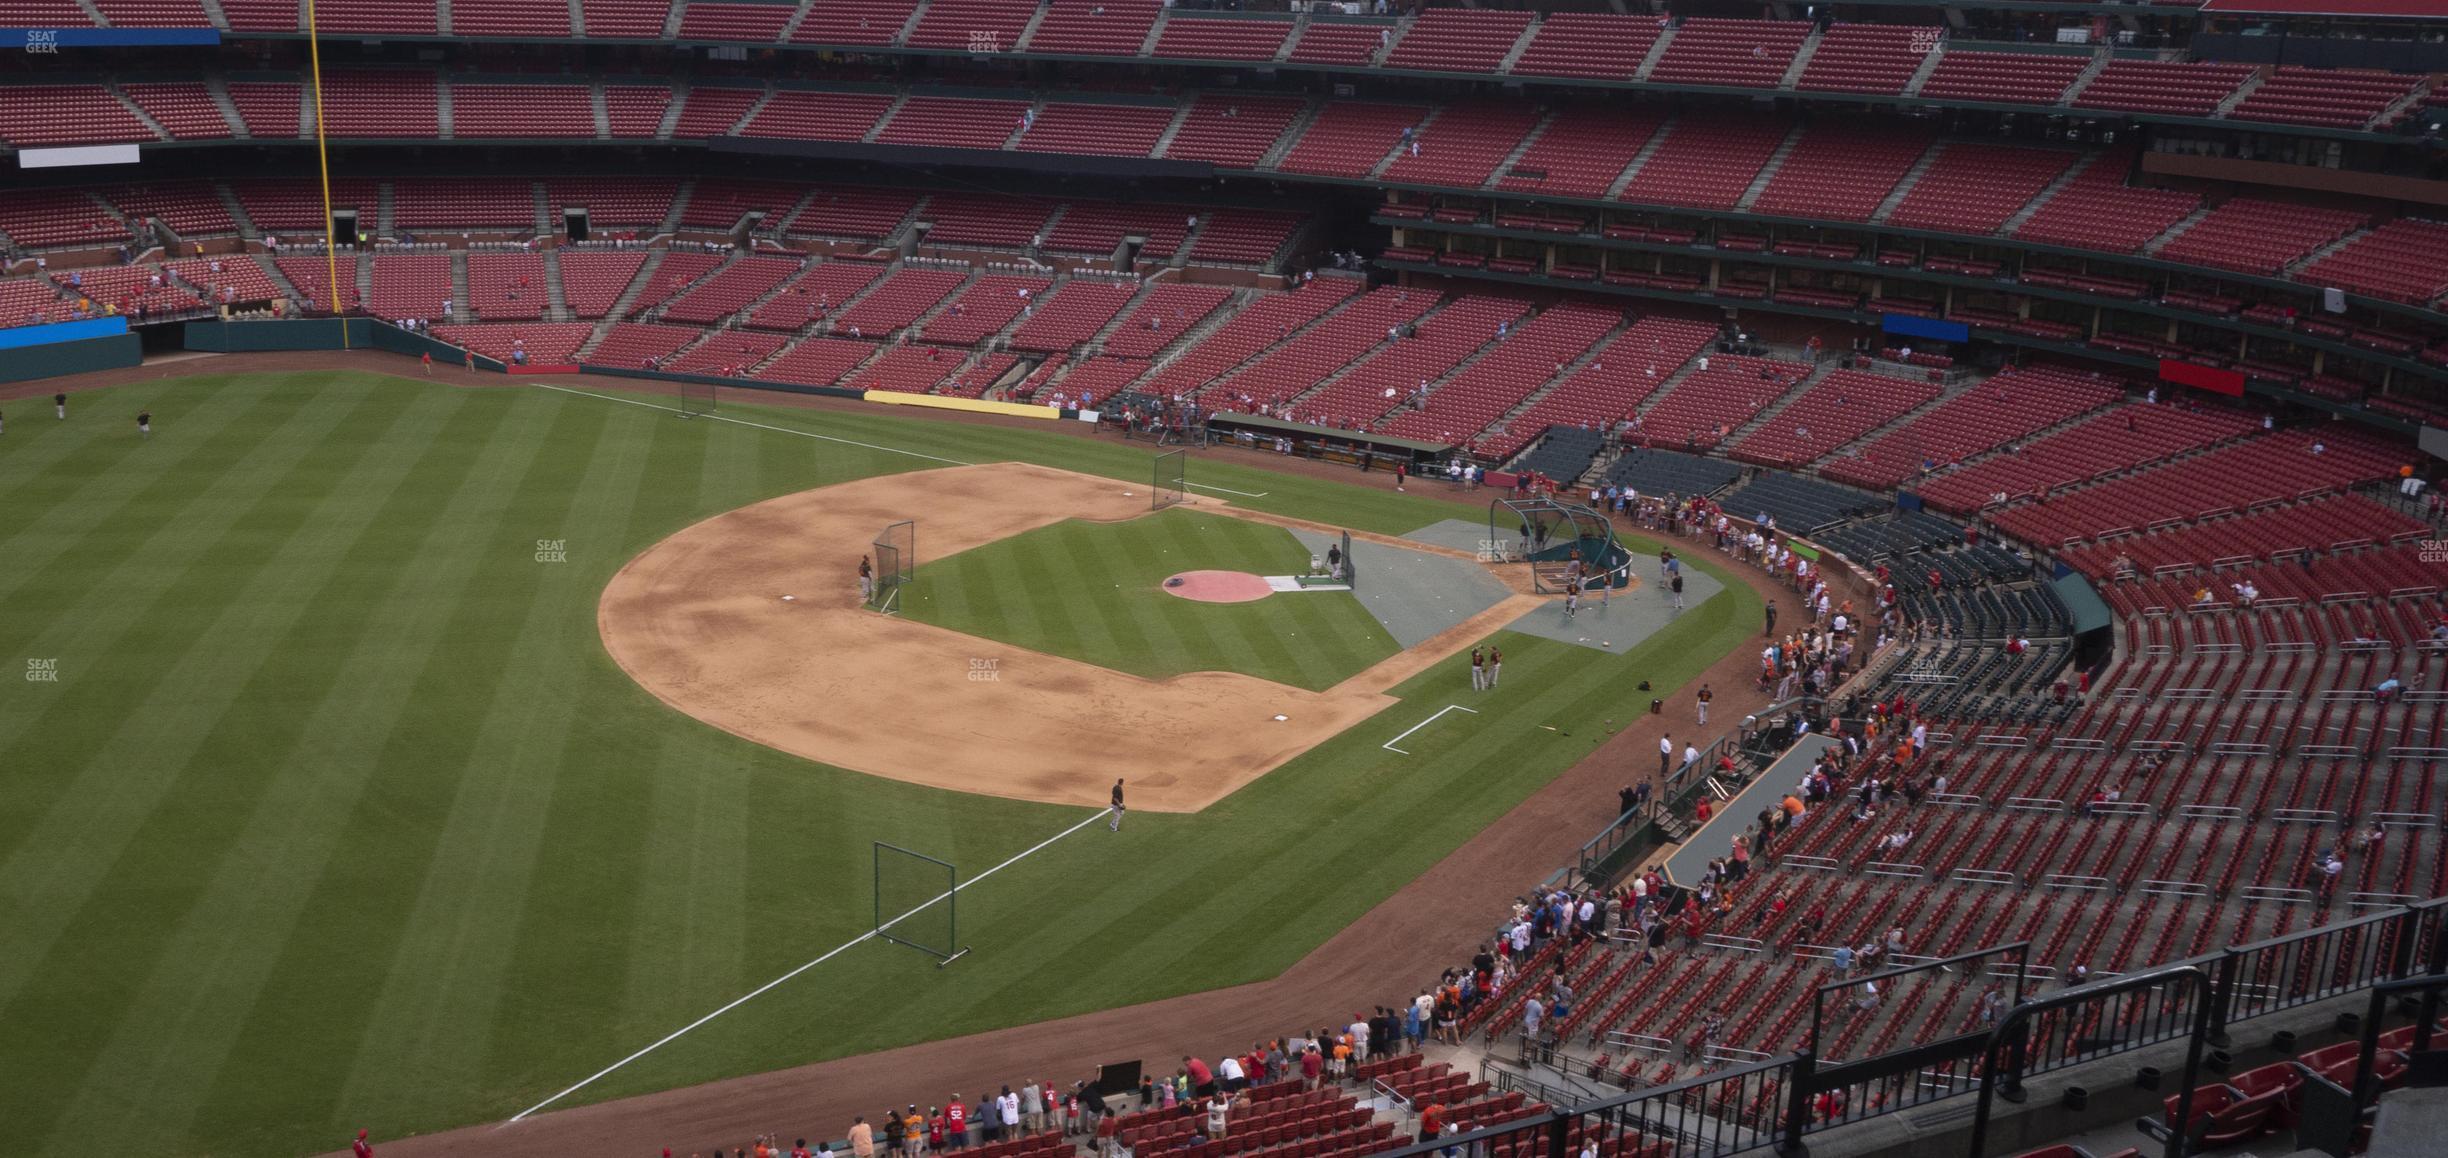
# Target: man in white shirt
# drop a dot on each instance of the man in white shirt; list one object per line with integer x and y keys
{"x": 1228, "y": 1073}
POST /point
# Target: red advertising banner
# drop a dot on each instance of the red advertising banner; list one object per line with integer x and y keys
{"x": 2208, "y": 378}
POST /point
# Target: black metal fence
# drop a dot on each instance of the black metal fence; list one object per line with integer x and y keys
{"x": 1779, "y": 1102}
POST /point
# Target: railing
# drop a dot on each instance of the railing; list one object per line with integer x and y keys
{"x": 1778, "y": 1102}
{"x": 2317, "y": 964}
{"x": 2079, "y": 1025}
{"x": 1595, "y": 857}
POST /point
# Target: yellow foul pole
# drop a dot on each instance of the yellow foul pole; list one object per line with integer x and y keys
{"x": 331, "y": 239}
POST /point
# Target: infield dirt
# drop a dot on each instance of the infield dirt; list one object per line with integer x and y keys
{"x": 700, "y": 621}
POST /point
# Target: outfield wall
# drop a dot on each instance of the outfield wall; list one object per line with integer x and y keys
{"x": 713, "y": 380}
{"x": 323, "y": 334}
{"x": 50, "y": 359}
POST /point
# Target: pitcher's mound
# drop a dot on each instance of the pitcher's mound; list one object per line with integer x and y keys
{"x": 1219, "y": 586}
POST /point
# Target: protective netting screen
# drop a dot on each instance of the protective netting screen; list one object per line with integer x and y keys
{"x": 914, "y": 895}
{"x": 1172, "y": 479}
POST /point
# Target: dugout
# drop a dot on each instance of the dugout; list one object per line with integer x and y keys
{"x": 1327, "y": 444}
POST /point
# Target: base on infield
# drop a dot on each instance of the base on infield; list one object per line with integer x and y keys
{"x": 820, "y": 678}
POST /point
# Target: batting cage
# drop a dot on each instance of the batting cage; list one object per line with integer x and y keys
{"x": 896, "y": 555}
{"x": 1172, "y": 480}
{"x": 1553, "y": 537}
{"x": 915, "y": 902}
{"x": 695, "y": 398}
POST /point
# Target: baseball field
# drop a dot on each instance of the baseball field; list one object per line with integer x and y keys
{"x": 327, "y": 804}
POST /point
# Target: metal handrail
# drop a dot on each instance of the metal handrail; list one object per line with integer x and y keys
{"x": 2012, "y": 1032}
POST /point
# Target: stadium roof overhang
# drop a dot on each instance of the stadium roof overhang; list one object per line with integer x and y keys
{"x": 2380, "y": 9}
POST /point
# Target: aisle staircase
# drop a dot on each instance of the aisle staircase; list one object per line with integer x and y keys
{"x": 1904, "y": 187}
{"x": 1514, "y": 158}
{"x": 1768, "y": 171}
{"x": 1657, "y": 140}
{"x": 2073, "y": 171}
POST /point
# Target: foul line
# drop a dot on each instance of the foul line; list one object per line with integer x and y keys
{"x": 869, "y": 935}
{"x": 1389, "y": 745}
{"x": 1230, "y": 491}
{"x": 758, "y": 426}
{"x": 831, "y": 438}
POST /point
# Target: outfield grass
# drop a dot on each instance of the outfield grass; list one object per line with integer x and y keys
{"x": 1095, "y": 592}
{"x": 337, "y": 814}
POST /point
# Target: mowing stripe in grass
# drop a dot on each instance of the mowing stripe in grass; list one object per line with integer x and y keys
{"x": 762, "y": 426}
{"x": 321, "y": 754}
{"x": 1093, "y": 592}
{"x": 182, "y": 686}
{"x": 180, "y": 809}
{"x": 427, "y": 1038}
{"x": 1084, "y": 822}
{"x": 449, "y": 578}
{"x": 517, "y": 864}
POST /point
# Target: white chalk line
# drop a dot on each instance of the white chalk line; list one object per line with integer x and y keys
{"x": 758, "y": 425}
{"x": 869, "y": 935}
{"x": 1230, "y": 491}
{"x": 1389, "y": 745}
{"x": 831, "y": 438}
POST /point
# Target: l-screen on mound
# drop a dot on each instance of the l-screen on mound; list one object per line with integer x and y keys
{"x": 699, "y": 620}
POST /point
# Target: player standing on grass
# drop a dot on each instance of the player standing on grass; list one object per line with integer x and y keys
{"x": 1495, "y": 666}
{"x": 1478, "y": 670}
{"x": 1116, "y": 823}
{"x": 359, "y": 1148}
{"x": 59, "y": 404}
{"x": 144, "y": 424}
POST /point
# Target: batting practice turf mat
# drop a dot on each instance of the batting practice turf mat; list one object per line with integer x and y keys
{"x": 325, "y": 805}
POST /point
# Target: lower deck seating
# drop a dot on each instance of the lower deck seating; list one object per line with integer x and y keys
{"x": 1798, "y": 503}
{"x": 542, "y": 343}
